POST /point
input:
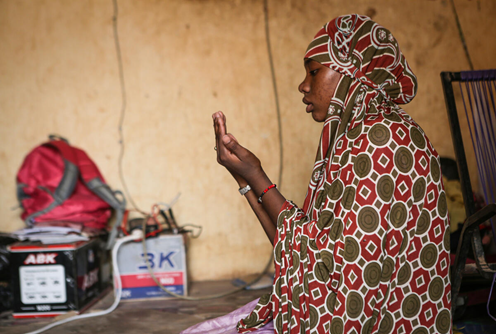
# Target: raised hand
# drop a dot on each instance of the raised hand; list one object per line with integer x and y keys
{"x": 241, "y": 163}
{"x": 245, "y": 167}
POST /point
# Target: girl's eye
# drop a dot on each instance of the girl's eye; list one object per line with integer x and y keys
{"x": 313, "y": 72}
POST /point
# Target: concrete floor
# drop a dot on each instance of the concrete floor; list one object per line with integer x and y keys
{"x": 151, "y": 316}
{"x": 171, "y": 316}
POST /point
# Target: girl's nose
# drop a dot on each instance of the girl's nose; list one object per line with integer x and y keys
{"x": 304, "y": 87}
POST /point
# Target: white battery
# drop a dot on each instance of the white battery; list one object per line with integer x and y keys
{"x": 167, "y": 258}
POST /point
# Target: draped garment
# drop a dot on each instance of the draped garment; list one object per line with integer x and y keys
{"x": 369, "y": 250}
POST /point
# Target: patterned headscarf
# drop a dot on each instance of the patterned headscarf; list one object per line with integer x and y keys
{"x": 375, "y": 73}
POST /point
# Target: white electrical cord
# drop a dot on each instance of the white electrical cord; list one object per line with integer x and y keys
{"x": 160, "y": 285}
{"x": 137, "y": 234}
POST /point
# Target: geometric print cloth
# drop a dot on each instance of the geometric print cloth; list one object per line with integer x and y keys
{"x": 379, "y": 260}
{"x": 369, "y": 250}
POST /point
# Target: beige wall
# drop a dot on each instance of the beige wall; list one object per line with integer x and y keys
{"x": 184, "y": 60}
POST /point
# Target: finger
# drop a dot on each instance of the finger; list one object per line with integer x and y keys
{"x": 225, "y": 156}
{"x": 216, "y": 131}
{"x": 231, "y": 144}
{"x": 215, "y": 118}
{"x": 217, "y": 114}
{"x": 221, "y": 121}
{"x": 235, "y": 148}
{"x": 217, "y": 128}
{"x": 222, "y": 150}
{"x": 220, "y": 130}
{"x": 224, "y": 119}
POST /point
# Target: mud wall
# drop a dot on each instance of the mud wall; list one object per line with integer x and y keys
{"x": 182, "y": 61}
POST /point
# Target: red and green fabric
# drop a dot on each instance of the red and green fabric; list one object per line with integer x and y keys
{"x": 369, "y": 250}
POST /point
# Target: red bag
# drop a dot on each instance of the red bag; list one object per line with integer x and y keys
{"x": 60, "y": 183}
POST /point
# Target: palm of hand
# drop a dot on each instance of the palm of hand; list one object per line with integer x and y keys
{"x": 240, "y": 162}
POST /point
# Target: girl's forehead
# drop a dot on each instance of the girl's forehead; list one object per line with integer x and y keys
{"x": 309, "y": 61}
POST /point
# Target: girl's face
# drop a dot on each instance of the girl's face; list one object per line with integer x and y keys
{"x": 318, "y": 88}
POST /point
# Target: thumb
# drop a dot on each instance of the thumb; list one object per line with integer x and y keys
{"x": 231, "y": 143}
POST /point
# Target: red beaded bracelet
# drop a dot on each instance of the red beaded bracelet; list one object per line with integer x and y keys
{"x": 263, "y": 193}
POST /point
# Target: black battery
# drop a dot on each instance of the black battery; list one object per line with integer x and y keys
{"x": 50, "y": 280}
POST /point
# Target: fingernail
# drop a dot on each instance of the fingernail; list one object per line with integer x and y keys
{"x": 226, "y": 139}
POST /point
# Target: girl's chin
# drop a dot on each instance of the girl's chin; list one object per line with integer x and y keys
{"x": 318, "y": 117}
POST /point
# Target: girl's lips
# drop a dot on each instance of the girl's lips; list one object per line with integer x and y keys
{"x": 310, "y": 107}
